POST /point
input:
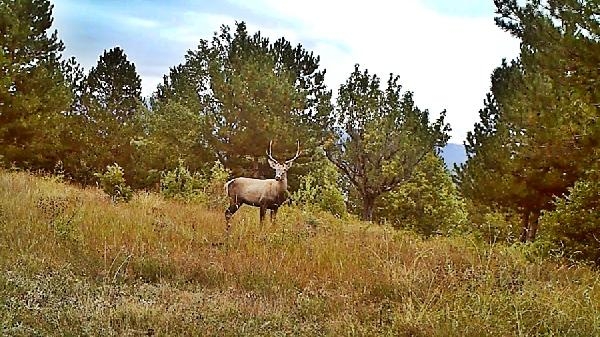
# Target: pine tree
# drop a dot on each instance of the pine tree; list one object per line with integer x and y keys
{"x": 244, "y": 91}
{"x": 113, "y": 109}
{"x": 33, "y": 91}
{"x": 114, "y": 87}
{"x": 545, "y": 123}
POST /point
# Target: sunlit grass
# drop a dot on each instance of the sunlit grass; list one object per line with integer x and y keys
{"x": 73, "y": 263}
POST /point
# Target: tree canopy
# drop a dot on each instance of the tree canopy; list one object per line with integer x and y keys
{"x": 247, "y": 91}
{"x": 379, "y": 135}
{"x": 33, "y": 91}
{"x": 538, "y": 132}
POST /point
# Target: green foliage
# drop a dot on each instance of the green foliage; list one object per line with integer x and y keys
{"x": 493, "y": 224}
{"x": 538, "y": 131}
{"x": 379, "y": 136}
{"x": 112, "y": 108}
{"x": 113, "y": 87}
{"x": 574, "y": 226}
{"x": 33, "y": 92}
{"x": 213, "y": 194}
{"x": 113, "y": 183}
{"x": 428, "y": 202}
{"x": 204, "y": 187}
{"x": 175, "y": 132}
{"x": 180, "y": 183}
{"x": 320, "y": 189}
{"x": 218, "y": 175}
{"x": 245, "y": 91}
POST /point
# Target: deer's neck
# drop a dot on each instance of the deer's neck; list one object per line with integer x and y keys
{"x": 283, "y": 183}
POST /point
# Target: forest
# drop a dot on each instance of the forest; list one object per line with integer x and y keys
{"x": 112, "y": 204}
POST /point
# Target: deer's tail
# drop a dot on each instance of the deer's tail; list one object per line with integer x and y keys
{"x": 226, "y": 186}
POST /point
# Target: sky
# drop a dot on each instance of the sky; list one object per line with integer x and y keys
{"x": 443, "y": 50}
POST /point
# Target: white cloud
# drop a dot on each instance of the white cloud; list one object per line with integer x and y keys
{"x": 197, "y": 25}
{"x": 137, "y": 22}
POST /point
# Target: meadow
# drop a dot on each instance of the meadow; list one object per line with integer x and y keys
{"x": 72, "y": 263}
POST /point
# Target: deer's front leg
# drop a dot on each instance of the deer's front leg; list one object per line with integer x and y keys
{"x": 273, "y": 215}
{"x": 263, "y": 212}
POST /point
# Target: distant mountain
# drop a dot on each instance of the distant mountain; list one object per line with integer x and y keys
{"x": 453, "y": 154}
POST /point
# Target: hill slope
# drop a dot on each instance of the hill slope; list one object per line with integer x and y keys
{"x": 72, "y": 263}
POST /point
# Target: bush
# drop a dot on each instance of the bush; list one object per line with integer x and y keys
{"x": 207, "y": 187}
{"x": 319, "y": 189}
{"x": 494, "y": 224}
{"x": 213, "y": 189}
{"x": 574, "y": 226}
{"x": 113, "y": 183}
{"x": 180, "y": 183}
{"x": 429, "y": 203}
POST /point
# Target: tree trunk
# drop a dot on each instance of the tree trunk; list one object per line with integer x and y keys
{"x": 530, "y": 226}
{"x": 368, "y": 206}
{"x": 524, "y": 235}
{"x": 533, "y": 226}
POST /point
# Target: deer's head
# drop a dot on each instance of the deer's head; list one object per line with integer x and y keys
{"x": 281, "y": 169}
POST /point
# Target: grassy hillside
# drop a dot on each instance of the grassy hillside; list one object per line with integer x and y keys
{"x": 72, "y": 263}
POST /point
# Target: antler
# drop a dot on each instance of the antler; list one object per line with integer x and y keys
{"x": 296, "y": 156}
{"x": 269, "y": 152}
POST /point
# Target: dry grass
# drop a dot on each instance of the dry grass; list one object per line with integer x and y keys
{"x": 75, "y": 264}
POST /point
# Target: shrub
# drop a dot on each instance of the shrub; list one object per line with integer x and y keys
{"x": 574, "y": 226}
{"x": 213, "y": 182}
{"x": 493, "y": 224}
{"x": 205, "y": 187}
{"x": 429, "y": 203}
{"x": 319, "y": 189}
{"x": 180, "y": 183}
{"x": 113, "y": 183}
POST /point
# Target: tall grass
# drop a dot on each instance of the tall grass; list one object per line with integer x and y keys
{"x": 74, "y": 263}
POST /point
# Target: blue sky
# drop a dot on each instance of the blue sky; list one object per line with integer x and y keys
{"x": 444, "y": 51}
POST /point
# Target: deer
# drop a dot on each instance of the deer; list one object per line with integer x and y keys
{"x": 267, "y": 194}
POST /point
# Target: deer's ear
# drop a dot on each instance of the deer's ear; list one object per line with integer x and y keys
{"x": 288, "y": 164}
{"x": 272, "y": 163}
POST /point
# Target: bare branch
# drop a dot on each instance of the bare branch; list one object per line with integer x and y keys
{"x": 345, "y": 168}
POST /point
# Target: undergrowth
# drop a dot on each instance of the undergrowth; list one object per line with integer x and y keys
{"x": 74, "y": 263}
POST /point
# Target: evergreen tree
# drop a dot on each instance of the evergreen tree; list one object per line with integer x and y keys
{"x": 176, "y": 126}
{"x": 113, "y": 86}
{"x": 113, "y": 109}
{"x": 574, "y": 226}
{"x": 545, "y": 125}
{"x": 380, "y": 136}
{"x": 33, "y": 91}
{"x": 491, "y": 174}
{"x": 245, "y": 92}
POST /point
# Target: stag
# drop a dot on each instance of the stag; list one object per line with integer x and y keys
{"x": 268, "y": 194}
